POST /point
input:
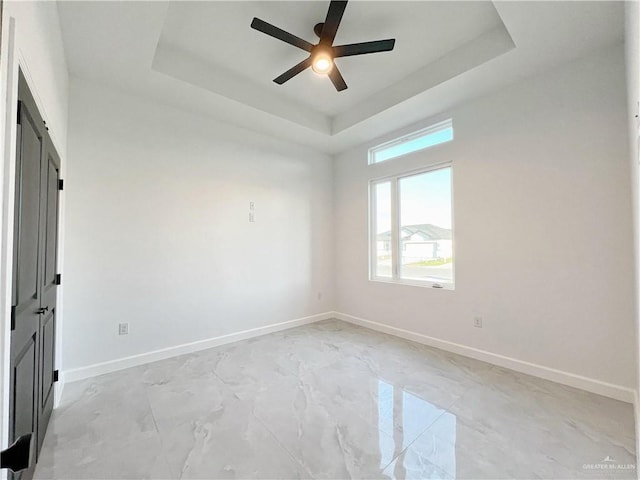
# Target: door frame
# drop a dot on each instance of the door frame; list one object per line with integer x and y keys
{"x": 8, "y": 93}
{"x": 11, "y": 61}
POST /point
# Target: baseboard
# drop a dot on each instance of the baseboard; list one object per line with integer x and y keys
{"x": 96, "y": 369}
{"x": 617, "y": 392}
{"x": 57, "y": 390}
{"x": 636, "y": 413}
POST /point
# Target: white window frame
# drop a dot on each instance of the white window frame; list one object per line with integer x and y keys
{"x": 425, "y": 132}
{"x": 395, "y": 230}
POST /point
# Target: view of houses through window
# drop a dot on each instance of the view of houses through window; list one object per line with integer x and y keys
{"x": 412, "y": 233}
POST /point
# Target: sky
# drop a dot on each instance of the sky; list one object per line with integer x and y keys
{"x": 421, "y": 142}
{"x": 424, "y": 198}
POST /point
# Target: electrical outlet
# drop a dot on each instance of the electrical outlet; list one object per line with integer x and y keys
{"x": 252, "y": 217}
{"x": 123, "y": 329}
{"x": 252, "y": 206}
{"x": 477, "y": 322}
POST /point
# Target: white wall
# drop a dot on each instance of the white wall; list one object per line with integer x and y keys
{"x": 40, "y": 51}
{"x": 632, "y": 62}
{"x": 158, "y": 232}
{"x": 541, "y": 180}
{"x": 31, "y": 37}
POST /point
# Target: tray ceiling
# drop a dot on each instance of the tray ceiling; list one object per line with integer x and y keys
{"x": 204, "y": 57}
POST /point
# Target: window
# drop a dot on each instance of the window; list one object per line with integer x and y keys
{"x": 412, "y": 228}
{"x": 425, "y": 138}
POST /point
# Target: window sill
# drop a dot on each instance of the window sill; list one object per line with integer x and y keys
{"x": 414, "y": 283}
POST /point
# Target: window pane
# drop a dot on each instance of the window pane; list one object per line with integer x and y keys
{"x": 426, "y": 240}
{"x": 428, "y": 137}
{"x": 414, "y": 145}
{"x": 382, "y": 194}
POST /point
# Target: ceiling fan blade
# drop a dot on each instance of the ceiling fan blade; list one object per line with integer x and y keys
{"x": 336, "y": 79}
{"x": 364, "y": 47}
{"x": 293, "y": 71}
{"x": 332, "y": 22}
{"x": 280, "y": 34}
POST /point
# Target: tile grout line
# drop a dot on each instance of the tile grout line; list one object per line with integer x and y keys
{"x": 275, "y": 437}
{"x": 283, "y": 447}
{"x": 413, "y": 441}
{"x": 155, "y": 423}
{"x": 444, "y": 411}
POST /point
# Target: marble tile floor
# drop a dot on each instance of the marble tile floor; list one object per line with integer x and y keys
{"x": 335, "y": 401}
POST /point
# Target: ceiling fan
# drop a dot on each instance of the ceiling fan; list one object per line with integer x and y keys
{"x": 322, "y": 55}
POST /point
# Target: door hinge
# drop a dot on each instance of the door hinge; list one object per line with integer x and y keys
{"x": 19, "y": 111}
{"x": 13, "y": 317}
{"x": 56, "y": 374}
{"x": 58, "y": 279}
{"x": 60, "y": 184}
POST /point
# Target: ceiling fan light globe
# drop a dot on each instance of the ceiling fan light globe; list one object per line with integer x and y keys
{"x": 322, "y": 64}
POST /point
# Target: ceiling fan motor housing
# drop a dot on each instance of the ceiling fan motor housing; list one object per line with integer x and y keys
{"x": 317, "y": 29}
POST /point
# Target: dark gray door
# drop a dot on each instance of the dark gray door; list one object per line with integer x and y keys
{"x": 34, "y": 283}
{"x": 50, "y": 176}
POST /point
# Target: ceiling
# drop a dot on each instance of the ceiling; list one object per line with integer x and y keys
{"x": 204, "y": 57}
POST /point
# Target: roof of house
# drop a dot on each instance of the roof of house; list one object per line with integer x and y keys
{"x": 426, "y": 231}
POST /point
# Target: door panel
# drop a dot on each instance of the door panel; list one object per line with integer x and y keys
{"x": 47, "y": 338}
{"x": 48, "y": 287}
{"x": 25, "y": 375}
{"x": 51, "y": 219}
{"x": 28, "y": 207}
{"x": 25, "y": 335}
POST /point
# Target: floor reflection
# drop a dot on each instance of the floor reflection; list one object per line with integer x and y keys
{"x": 433, "y": 451}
